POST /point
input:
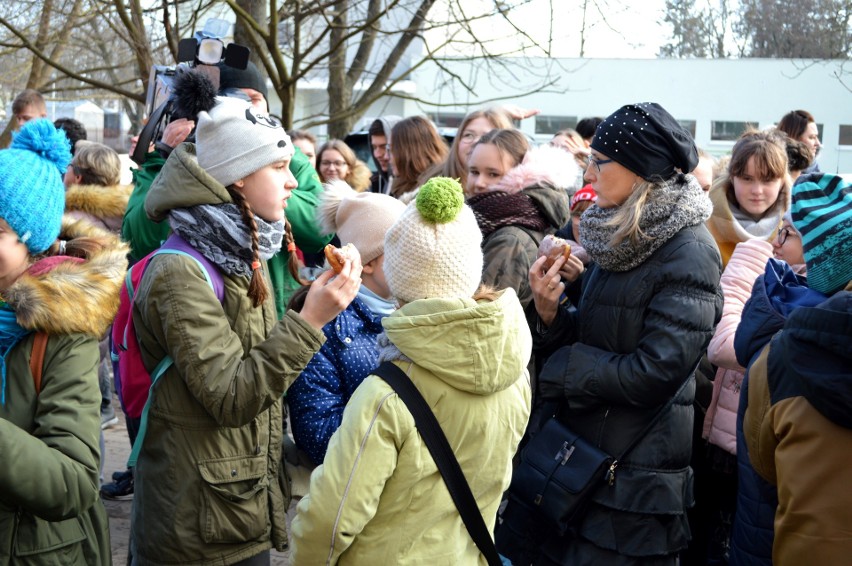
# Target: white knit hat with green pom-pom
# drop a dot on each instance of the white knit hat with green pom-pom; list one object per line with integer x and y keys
{"x": 434, "y": 249}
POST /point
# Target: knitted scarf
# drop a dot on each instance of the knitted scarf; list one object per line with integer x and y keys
{"x": 497, "y": 209}
{"x": 670, "y": 206}
{"x": 10, "y": 334}
{"x": 219, "y": 233}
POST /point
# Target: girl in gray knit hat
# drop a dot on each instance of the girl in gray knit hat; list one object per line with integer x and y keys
{"x": 209, "y": 485}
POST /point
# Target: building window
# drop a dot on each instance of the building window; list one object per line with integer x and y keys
{"x": 447, "y": 120}
{"x": 689, "y": 126}
{"x": 845, "y": 137}
{"x": 552, "y": 124}
{"x": 729, "y": 131}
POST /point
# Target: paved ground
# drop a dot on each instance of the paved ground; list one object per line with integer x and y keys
{"x": 116, "y": 453}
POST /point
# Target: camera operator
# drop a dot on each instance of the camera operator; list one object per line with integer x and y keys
{"x": 144, "y": 235}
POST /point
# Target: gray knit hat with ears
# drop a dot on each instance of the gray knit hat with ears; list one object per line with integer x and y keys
{"x": 233, "y": 140}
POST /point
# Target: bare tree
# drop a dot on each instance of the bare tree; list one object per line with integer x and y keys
{"x": 699, "y": 29}
{"x": 44, "y": 40}
{"x": 363, "y": 48}
{"x": 813, "y": 29}
{"x": 96, "y": 48}
{"x": 595, "y": 13}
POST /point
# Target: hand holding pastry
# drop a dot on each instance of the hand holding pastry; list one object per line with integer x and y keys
{"x": 553, "y": 248}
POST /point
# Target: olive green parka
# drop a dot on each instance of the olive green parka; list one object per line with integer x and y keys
{"x": 209, "y": 485}
{"x": 50, "y": 512}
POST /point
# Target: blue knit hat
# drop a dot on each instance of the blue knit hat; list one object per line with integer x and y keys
{"x": 32, "y": 196}
{"x": 822, "y": 213}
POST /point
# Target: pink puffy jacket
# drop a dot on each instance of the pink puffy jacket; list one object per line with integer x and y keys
{"x": 747, "y": 262}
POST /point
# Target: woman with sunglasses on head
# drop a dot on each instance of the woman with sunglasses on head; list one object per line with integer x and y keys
{"x": 648, "y": 307}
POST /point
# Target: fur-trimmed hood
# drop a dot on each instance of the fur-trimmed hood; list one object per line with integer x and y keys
{"x": 102, "y": 205}
{"x": 73, "y": 295}
{"x": 544, "y": 164}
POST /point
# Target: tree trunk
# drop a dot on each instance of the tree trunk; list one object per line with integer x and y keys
{"x": 288, "y": 104}
{"x": 257, "y": 10}
{"x": 339, "y": 90}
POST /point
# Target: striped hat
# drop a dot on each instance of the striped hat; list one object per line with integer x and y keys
{"x": 822, "y": 213}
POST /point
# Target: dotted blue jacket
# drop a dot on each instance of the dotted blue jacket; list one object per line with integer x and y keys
{"x": 319, "y": 395}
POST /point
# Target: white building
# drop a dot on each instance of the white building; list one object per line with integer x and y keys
{"x": 715, "y": 99}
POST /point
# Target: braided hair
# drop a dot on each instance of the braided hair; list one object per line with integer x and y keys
{"x": 294, "y": 265}
{"x": 257, "y": 290}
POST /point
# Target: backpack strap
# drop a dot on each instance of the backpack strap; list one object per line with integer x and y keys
{"x": 158, "y": 372}
{"x": 211, "y": 272}
{"x": 213, "y": 276}
{"x": 37, "y": 359}
{"x": 441, "y": 451}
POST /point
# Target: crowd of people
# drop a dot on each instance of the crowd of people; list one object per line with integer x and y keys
{"x": 699, "y": 332}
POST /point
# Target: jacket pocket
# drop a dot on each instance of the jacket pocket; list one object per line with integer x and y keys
{"x": 235, "y": 505}
{"x": 36, "y": 536}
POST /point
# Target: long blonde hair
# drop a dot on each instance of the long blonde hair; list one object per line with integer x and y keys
{"x": 627, "y": 217}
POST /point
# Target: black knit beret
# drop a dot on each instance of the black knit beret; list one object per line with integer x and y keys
{"x": 647, "y": 140}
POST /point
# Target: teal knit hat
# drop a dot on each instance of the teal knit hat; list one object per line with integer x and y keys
{"x": 32, "y": 196}
{"x": 822, "y": 213}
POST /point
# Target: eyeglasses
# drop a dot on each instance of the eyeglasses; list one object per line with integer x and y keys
{"x": 784, "y": 233}
{"x": 337, "y": 164}
{"x": 598, "y": 162}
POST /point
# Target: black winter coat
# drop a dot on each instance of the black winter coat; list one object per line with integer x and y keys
{"x": 630, "y": 344}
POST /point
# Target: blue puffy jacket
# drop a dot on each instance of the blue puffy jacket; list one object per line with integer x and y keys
{"x": 319, "y": 395}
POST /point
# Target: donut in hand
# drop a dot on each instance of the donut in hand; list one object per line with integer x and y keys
{"x": 552, "y": 248}
{"x": 337, "y": 256}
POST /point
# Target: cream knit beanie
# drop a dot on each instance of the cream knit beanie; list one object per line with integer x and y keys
{"x": 233, "y": 140}
{"x": 361, "y": 219}
{"x": 434, "y": 249}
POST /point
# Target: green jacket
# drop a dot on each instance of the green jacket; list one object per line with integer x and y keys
{"x": 301, "y": 212}
{"x": 209, "y": 487}
{"x": 50, "y": 512}
{"x": 510, "y": 250}
{"x": 145, "y": 235}
{"x": 378, "y": 498}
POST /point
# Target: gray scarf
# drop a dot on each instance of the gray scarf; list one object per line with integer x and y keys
{"x": 763, "y": 228}
{"x": 219, "y": 233}
{"x": 671, "y": 206}
{"x": 388, "y": 351}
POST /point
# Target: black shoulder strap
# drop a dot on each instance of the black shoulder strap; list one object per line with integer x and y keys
{"x": 443, "y": 455}
{"x": 656, "y": 418}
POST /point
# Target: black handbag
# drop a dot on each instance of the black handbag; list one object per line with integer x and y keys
{"x": 442, "y": 453}
{"x": 559, "y": 470}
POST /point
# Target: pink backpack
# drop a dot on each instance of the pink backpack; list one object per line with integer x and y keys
{"x": 134, "y": 383}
